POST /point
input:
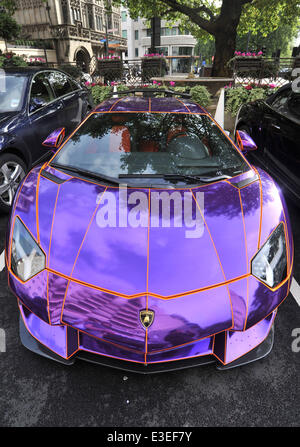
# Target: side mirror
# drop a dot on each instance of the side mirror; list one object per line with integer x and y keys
{"x": 245, "y": 142}
{"x": 36, "y": 103}
{"x": 55, "y": 139}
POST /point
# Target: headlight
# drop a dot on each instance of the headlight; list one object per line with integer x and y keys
{"x": 270, "y": 263}
{"x": 27, "y": 259}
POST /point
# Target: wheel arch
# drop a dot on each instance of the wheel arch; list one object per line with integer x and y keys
{"x": 15, "y": 151}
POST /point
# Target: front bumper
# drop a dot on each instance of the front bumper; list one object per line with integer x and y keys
{"x": 65, "y": 344}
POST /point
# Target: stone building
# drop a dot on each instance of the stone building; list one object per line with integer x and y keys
{"x": 75, "y": 28}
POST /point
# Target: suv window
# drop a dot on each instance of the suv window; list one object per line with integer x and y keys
{"x": 41, "y": 88}
{"x": 74, "y": 84}
{"x": 60, "y": 83}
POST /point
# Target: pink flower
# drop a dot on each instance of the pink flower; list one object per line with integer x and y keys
{"x": 260, "y": 53}
{"x": 87, "y": 83}
{"x": 154, "y": 82}
{"x": 172, "y": 83}
{"x": 248, "y": 87}
{"x": 243, "y": 54}
{"x": 272, "y": 86}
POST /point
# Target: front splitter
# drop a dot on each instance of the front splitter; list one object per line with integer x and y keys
{"x": 35, "y": 346}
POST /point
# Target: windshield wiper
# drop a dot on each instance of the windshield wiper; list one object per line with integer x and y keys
{"x": 191, "y": 178}
{"x": 88, "y": 174}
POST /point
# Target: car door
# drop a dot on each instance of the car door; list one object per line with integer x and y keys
{"x": 43, "y": 114}
{"x": 72, "y": 98}
{"x": 282, "y": 136}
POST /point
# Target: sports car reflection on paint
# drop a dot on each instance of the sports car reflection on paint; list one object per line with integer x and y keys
{"x": 149, "y": 243}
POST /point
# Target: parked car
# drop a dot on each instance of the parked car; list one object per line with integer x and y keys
{"x": 149, "y": 243}
{"x": 33, "y": 101}
{"x": 274, "y": 125}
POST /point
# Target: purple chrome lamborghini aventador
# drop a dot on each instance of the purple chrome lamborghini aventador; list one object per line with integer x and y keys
{"x": 149, "y": 243}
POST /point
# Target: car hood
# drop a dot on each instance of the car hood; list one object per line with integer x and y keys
{"x": 126, "y": 243}
{"x": 110, "y": 254}
{"x": 6, "y": 119}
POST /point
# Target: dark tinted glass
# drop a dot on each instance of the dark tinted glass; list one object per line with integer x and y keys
{"x": 12, "y": 88}
{"x": 41, "y": 88}
{"x": 60, "y": 83}
{"x": 145, "y": 143}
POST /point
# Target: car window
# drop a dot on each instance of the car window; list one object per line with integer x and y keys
{"x": 74, "y": 84}
{"x": 280, "y": 102}
{"x": 146, "y": 143}
{"x": 41, "y": 88}
{"x": 60, "y": 83}
{"x": 12, "y": 89}
{"x": 288, "y": 104}
{"x": 294, "y": 107}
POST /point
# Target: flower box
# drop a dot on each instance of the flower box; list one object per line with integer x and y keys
{"x": 110, "y": 69}
{"x": 153, "y": 66}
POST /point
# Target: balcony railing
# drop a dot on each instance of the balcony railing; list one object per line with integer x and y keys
{"x": 69, "y": 31}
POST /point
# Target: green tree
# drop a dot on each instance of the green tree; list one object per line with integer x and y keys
{"x": 9, "y": 29}
{"x": 221, "y": 19}
{"x": 282, "y": 38}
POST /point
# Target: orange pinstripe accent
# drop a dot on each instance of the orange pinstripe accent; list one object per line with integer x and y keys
{"x": 33, "y": 335}
{"x": 37, "y": 208}
{"x": 90, "y": 223}
{"x": 216, "y": 254}
{"x": 56, "y": 141}
{"x": 148, "y": 254}
{"x": 49, "y": 251}
{"x": 104, "y": 340}
{"x": 247, "y": 259}
{"x": 52, "y": 224}
{"x": 114, "y": 104}
{"x": 146, "y": 346}
{"x": 245, "y": 353}
{"x": 155, "y": 295}
{"x": 181, "y": 102}
{"x": 230, "y": 140}
{"x": 243, "y": 187}
{"x": 261, "y": 209}
{"x": 190, "y": 342}
{"x": 12, "y": 214}
{"x": 71, "y": 134}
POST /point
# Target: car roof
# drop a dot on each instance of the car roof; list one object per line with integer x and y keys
{"x": 132, "y": 104}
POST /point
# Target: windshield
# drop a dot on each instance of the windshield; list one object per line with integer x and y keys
{"x": 12, "y": 89}
{"x": 140, "y": 144}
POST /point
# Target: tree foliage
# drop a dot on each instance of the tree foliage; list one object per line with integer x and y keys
{"x": 221, "y": 20}
{"x": 9, "y": 29}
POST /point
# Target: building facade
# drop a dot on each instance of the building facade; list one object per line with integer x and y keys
{"x": 174, "y": 41}
{"x": 75, "y": 28}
